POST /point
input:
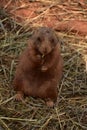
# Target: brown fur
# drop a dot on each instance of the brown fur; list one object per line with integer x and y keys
{"x": 40, "y": 67}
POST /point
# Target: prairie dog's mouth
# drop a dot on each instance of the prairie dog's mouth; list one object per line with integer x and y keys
{"x": 43, "y": 56}
{"x": 40, "y": 56}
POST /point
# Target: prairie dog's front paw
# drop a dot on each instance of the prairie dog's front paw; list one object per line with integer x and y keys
{"x": 44, "y": 68}
{"x": 19, "y": 96}
{"x": 38, "y": 57}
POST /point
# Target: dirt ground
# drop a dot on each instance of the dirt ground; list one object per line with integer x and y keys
{"x": 62, "y": 15}
{"x": 69, "y": 20}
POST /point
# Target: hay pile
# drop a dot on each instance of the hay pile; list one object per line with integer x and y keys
{"x": 70, "y": 112}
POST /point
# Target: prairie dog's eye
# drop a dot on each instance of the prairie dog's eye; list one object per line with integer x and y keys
{"x": 39, "y": 39}
{"x": 52, "y": 40}
{"x": 38, "y": 42}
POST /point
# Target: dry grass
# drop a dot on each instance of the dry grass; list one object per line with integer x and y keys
{"x": 70, "y": 112}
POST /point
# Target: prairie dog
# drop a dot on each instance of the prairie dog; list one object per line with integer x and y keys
{"x": 40, "y": 67}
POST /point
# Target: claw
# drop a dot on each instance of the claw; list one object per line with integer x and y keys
{"x": 19, "y": 96}
{"x": 50, "y": 103}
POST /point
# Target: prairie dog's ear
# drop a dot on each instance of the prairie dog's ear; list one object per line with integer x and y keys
{"x": 60, "y": 40}
{"x": 30, "y": 42}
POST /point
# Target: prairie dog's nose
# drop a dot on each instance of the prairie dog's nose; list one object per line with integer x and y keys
{"x": 44, "y": 50}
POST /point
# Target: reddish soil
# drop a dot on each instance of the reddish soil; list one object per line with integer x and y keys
{"x": 76, "y": 26}
{"x": 66, "y": 15}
